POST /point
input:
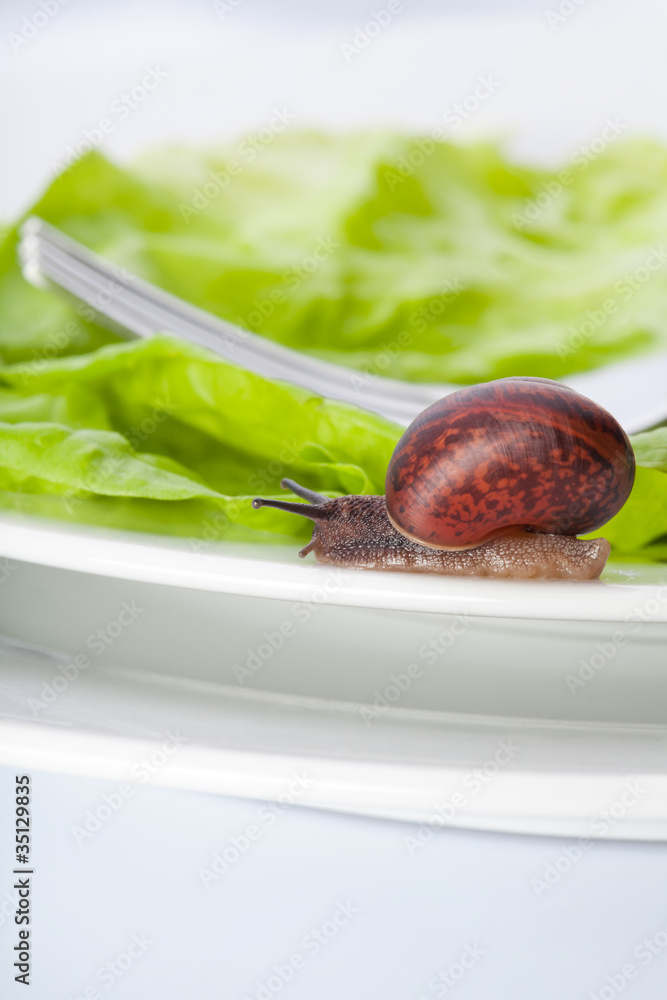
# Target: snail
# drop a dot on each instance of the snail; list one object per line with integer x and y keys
{"x": 495, "y": 479}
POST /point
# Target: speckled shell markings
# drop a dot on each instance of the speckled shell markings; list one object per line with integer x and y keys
{"x": 517, "y": 451}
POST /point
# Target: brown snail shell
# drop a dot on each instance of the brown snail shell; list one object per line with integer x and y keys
{"x": 513, "y": 452}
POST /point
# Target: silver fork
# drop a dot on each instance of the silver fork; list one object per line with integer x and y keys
{"x": 635, "y": 391}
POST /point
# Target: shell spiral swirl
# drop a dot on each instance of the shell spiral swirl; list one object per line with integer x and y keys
{"x": 514, "y": 452}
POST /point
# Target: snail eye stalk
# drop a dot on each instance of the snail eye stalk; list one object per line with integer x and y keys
{"x": 316, "y": 512}
{"x": 305, "y": 509}
{"x": 302, "y": 491}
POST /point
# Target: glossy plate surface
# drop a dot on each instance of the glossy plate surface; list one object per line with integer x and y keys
{"x": 500, "y": 705}
{"x": 275, "y": 571}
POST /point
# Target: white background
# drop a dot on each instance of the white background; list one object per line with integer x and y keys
{"x": 558, "y": 82}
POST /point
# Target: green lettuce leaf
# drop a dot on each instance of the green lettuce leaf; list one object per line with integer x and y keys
{"x": 379, "y": 252}
{"x": 176, "y": 423}
{"x": 451, "y": 264}
{"x": 182, "y": 441}
{"x": 651, "y": 449}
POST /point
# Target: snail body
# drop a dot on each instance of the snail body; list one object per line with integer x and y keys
{"x": 496, "y": 479}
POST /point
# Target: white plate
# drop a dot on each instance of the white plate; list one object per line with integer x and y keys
{"x": 391, "y": 691}
{"x": 275, "y": 571}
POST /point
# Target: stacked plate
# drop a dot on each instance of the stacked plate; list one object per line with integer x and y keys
{"x": 505, "y": 705}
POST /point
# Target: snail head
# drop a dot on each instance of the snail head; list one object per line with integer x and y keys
{"x": 336, "y": 520}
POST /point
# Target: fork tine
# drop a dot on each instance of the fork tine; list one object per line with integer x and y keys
{"x": 50, "y": 257}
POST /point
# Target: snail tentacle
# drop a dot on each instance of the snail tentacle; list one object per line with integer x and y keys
{"x": 305, "y": 510}
{"x": 302, "y": 491}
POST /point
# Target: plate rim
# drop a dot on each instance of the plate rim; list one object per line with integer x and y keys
{"x": 168, "y": 560}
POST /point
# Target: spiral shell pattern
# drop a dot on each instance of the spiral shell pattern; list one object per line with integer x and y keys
{"x": 514, "y": 452}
